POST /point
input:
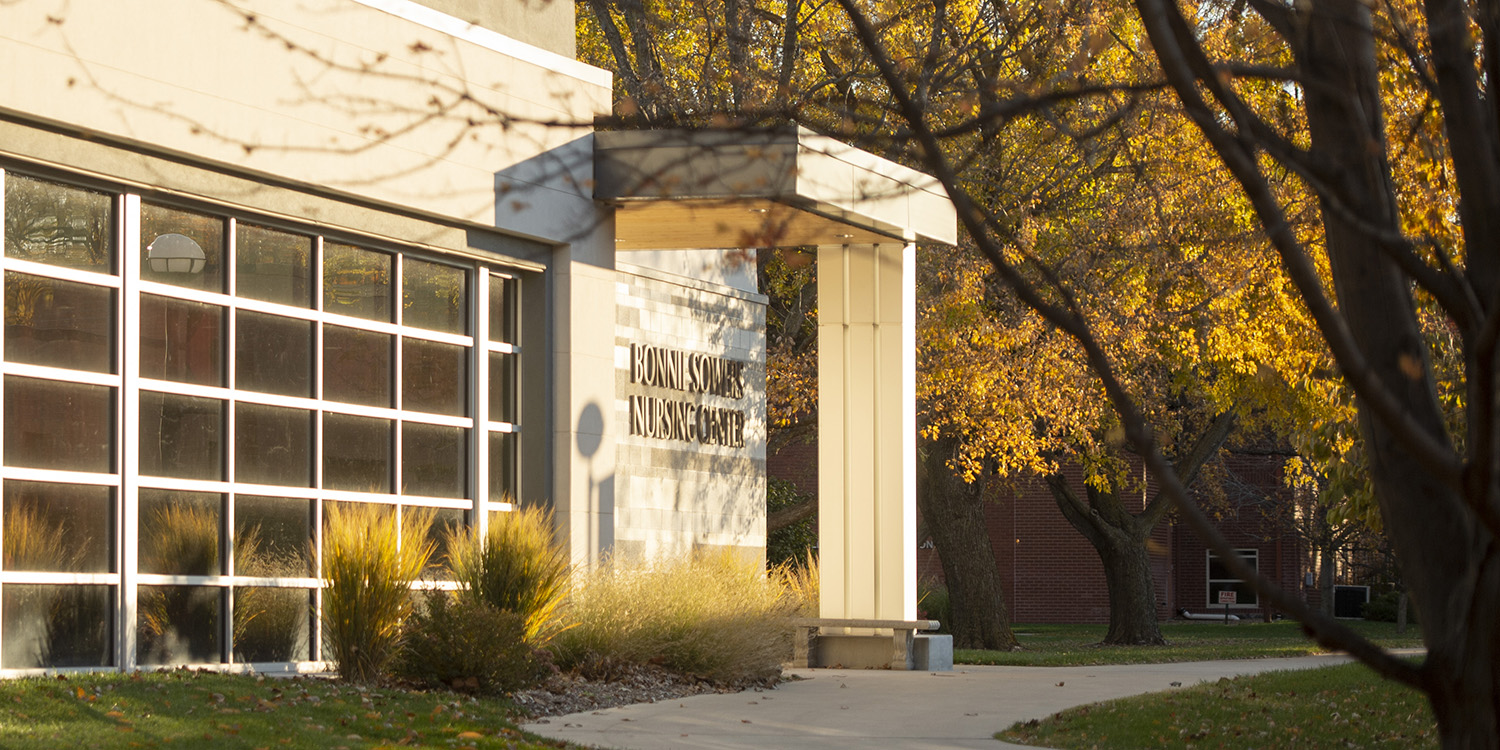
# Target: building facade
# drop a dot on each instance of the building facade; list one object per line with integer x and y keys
{"x": 266, "y": 257}
{"x": 1051, "y": 574}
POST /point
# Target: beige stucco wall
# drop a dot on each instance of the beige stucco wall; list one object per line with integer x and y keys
{"x": 546, "y": 23}
{"x": 385, "y": 118}
{"x": 335, "y": 94}
{"x": 675, "y": 496}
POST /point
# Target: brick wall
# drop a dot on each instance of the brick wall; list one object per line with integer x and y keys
{"x": 796, "y": 463}
{"x": 1050, "y": 572}
{"x": 1257, "y": 515}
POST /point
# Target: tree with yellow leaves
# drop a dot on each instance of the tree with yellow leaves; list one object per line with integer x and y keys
{"x": 1365, "y": 87}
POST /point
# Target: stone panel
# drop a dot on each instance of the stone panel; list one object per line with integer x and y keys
{"x": 674, "y": 496}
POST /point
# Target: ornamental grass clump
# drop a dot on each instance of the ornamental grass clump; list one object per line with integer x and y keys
{"x": 469, "y": 646}
{"x": 517, "y": 567}
{"x": 715, "y": 615}
{"x": 369, "y": 564}
{"x": 800, "y": 584}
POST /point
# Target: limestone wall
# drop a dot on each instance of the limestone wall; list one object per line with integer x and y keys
{"x": 683, "y": 478}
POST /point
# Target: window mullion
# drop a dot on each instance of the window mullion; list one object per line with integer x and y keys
{"x": 479, "y": 390}
{"x": 398, "y": 385}
{"x": 226, "y": 533}
{"x": 315, "y": 273}
{"x": 3, "y": 268}
{"x": 128, "y": 408}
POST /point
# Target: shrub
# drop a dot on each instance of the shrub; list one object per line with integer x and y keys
{"x": 467, "y": 645}
{"x": 368, "y": 568}
{"x": 933, "y": 603}
{"x": 800, "y": 585}
{"x": 715, "y": 615}
{"x": 1383, "y": 608}
{"x": 518, "y": 567}
{"x": 790, "y": 544}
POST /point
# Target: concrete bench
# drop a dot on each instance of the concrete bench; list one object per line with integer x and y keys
{"x": 813, "y": 646}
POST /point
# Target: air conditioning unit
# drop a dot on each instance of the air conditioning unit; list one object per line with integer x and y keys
{"x": 1349, "y": 601}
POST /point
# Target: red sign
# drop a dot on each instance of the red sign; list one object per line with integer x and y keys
{"x": 1228, "y": 597}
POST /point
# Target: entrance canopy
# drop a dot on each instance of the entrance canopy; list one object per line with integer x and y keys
{"x": 787, "y": 187}
{"x": 790, "y": 187}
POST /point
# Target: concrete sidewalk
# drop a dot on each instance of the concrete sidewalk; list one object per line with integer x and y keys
{"x": 836, "y": 708}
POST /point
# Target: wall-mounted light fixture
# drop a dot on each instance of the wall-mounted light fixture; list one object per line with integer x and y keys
{"x": 175, "y": 253}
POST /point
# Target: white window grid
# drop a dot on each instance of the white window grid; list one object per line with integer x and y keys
{"x": 127, "y": 481}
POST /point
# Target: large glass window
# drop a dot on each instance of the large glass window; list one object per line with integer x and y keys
{"x": 434, "y": 377}
{"x": 357, "y": 453}
{"x": 182, "y": 248}
{"x": 181, "y": 340}
{"x": 59, "y": 323}
{"x": 356, "y": 366}
{"x": 180, "y": 533}
{"x": 212, "y": 392}
{"x": 434, "y": 296}
{"x": 273, "y": 266}
{"x": 1220, "y": 579}
{"x": 502, "y": 355}
{"x": 272, "y": 624}
{"x": 272, "y": 445}
{"x": 434, "y": 460}
{"x": 502, "y": 448}
{"x": 50, "y": 424}
{"x": 56, "y": 626}
{"x": 178, "y": 624}
{"x": 356, "y": 282}
{"x": 60, "y": 225}
{"x": 181, "y": 436}
{"x": 273, "y": 537}
{"x": 58, "y": 528}
{"x": 273, "y": 354}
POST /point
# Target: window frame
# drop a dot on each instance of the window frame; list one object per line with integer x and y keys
{"x": 124, "y": 281}
{"x": 1251, "y": 556}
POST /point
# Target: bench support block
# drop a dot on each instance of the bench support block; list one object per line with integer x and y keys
{"x": 862, "y": 644}
{"x": 932, "y": 652}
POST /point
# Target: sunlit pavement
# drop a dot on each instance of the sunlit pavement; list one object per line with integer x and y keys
{"x": 834, "y": 708}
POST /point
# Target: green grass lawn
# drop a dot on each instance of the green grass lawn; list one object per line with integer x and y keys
{"x": 1077, "y": 645}
{"x": 1333, "y": 707}
{"x": 200, "y": 709}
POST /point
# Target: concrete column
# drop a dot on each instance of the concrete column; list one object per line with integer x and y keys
{"x": 867, "y": 431}
{"x": 583, "y": 382}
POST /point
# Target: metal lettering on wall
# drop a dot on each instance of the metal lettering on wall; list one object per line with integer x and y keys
{"x": 672, "y": 419}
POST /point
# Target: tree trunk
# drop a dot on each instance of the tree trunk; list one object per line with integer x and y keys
{"x": 1326, "y": 571}
{"x": 1132, "y": 592}
{"x": 1448, "y": 559}
{"x": 1121, "y": 546}
{"x": 953, "y": 511}
{"x": 1462, "y": 671}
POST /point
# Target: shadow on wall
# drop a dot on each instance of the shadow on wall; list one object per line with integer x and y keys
{"x": 549, "y": 196}
{"x": 601, "y": 497}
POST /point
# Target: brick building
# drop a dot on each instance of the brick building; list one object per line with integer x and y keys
{"x": 1050, "y": 572}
